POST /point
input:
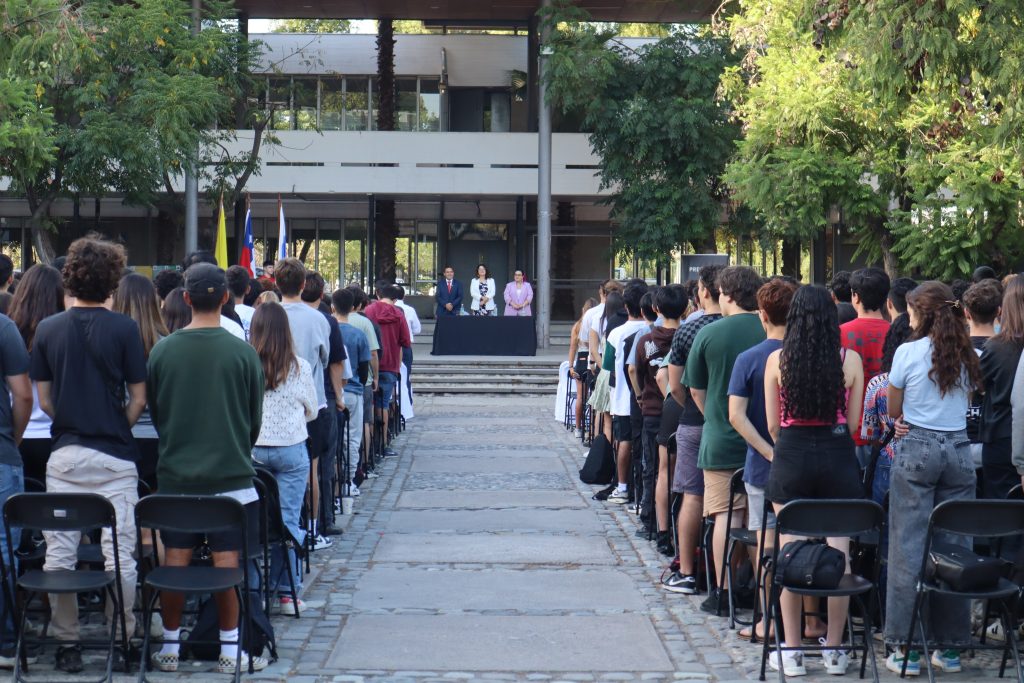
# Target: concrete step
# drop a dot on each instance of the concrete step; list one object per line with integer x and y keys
{"x": 496, "y": 380}
{"x": 431, "y": 369}
{"x": 422, "y": 389}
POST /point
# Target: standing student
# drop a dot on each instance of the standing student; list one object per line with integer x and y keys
{"x": 40, "y": 295}
{"x": 813, "y": 393}
{"x": 708, "y": 370}
{"x": 206, "y": 445}
{"x": 357, "y": 344}
{"x": 866, "y": 335}
{"x": 373, "y": 336}
{"x": 929, "y": 387}
{"x": 82, "y": 360}
{"x": 982, "y": 302}
{"x": 578, "y": 367}
{"x": 394, "y": 337}
{"x": 688, "y": 478}
{"x": 289, "y": 403}
{"x": 999, "y": 360}
{"x": 415, "y": 327}
{"x": 311, "y": 334}
{"x": 136, "y": 298}
{"x": 240, "y": 286}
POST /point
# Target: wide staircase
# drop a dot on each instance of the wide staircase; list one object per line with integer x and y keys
{"x": 520, "y": 375}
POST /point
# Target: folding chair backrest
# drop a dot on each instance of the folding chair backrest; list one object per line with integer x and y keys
{"x": 58, "y": 511}
{"x": 736, "y": 483}
{"x": 1016, "y": 493}
{"x": 841, "y": 517}
{"x": 34, "y": 485}
{"x": 991, "y": 518}
{"x": 191, "y": 514}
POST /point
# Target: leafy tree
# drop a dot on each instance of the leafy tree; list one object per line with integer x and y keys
{"x": 124, "y": 98}
{"x": 312, "y": 26}
{"x": 386, "y": 227}
{"x": 658, "y": 126}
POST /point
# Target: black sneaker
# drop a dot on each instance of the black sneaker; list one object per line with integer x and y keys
{"x": 643, "y": 531}
{"x": 665, "y": 545}
{"x": 680, "y": 583}
{"x": 717, "y": 603}
{"x": 69, "y": 659}
{"x": 390, "y": 452}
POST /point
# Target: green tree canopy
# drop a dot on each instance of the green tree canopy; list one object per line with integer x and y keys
{"x": 312, "y": 26}
{"x": 661, "y": 131}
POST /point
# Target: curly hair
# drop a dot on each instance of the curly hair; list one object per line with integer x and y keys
{"x": 982, "y": 301}
{"x": 93, "y": 269}
{"x": 740, "y": 283}
{"x": 940, "y": 317}
{"x": 811, "y": 365}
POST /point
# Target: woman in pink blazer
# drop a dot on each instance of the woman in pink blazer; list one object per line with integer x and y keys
{"x": 518, "y": 295}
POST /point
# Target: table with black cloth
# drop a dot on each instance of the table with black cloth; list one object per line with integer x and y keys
{"x": 470, "y": 335}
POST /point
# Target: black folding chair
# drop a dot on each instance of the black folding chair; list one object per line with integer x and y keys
{"x": 739, "y": 536}
{"x": 823, "y": 519}
{"x": 971, "y": 518}
{"x": 276, "y": 533}
{"x": 191, "y": 515}
{"x": 75, "y": 513}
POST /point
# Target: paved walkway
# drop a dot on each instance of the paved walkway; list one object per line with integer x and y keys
{"x": 478, "y": 555}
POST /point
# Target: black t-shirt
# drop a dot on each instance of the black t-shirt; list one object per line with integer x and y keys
{"x": 335, "y": 354}
{"x": 977, "y": 398}
{"x": 88, "y": 401}
{"x": 998, "y": 368}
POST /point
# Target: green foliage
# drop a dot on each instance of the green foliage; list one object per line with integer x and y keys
{"x": 662, "y": 133}
{"x": 312, "y": 26}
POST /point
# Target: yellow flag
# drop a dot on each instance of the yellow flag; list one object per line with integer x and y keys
{"x": 221, "y": 249}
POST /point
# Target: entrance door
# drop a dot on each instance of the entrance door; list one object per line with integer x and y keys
{"x": 470, "y": 244}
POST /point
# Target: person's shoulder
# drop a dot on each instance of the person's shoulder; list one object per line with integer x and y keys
{"x": 304, "y": 367}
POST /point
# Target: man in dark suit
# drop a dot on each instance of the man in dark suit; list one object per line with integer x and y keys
{"x": 449, "y": 294}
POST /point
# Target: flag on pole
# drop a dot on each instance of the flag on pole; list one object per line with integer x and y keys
{"x": 282, "y": 234}
{"x": 220, "y": 251}
{"x": 248, "y": 245}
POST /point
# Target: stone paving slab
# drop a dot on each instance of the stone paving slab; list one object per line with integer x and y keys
{"x": 501, "y": 643}
{"x": 504, "y": 548}
{"x": 516, "y": 519}
{"x": 482, "y": 500}
{"x": 496, "y": 589}
{"x": 428, "y": 452}
{"x": 461, "y": 464}
{"x": 488, "y": 481}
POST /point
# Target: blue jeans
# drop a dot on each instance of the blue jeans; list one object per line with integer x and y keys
{"x": 930, "y": 467}
{"x": 290, "y": 465}
{"x": 12, "y": 480}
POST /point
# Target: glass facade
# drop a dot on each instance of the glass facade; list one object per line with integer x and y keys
{"x": 350, "y": 103}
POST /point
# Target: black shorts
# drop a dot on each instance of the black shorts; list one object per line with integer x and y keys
{"x": 222, "y": 541}
{"x": 622, "y": 428}
{"x": 580, "y": 366}
{"x": 814, "y": 462}
{"x": 146, "y": 465}
{"x": 670, "y": 411}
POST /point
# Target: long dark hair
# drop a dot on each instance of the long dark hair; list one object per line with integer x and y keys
{"x": 136, "y": 298}
{"x": 811, "y": 365}
{"x": 39, "y": 295}
{"x": 613, "y": 304}
{"x": 940, "y": 317}
{"x": 176, "y": 313}
{"x": 1011, "y": 319}
{"x": 270, "y": 335}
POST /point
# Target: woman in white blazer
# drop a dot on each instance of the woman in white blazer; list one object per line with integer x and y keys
{"x": 481, "y": 288}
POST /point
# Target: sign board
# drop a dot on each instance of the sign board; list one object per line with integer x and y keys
{"x": 690, "y": 264}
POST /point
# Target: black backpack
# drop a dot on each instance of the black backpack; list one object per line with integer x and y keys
{"x": 810, "y": 564}
{"x": 599, "y": 467}
{"x": 207, "y": 629}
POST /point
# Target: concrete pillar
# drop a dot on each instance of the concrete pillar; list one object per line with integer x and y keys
{"x": 543, "y": 196}
{"x": 191, "y": 182}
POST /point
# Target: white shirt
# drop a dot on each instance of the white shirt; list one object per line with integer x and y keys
{"x": 923, "y": 404}
{"x": 589, "y": 317}
{"x": 245, "y": 314}
{"x": 617, "y": 338}
{"x": 411, "y": 319}
{"x": 232, "y": 327}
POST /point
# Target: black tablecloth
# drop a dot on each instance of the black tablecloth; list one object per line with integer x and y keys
{"x": 467, "y": 335}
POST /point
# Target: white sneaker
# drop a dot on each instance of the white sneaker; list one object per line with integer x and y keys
{"x": 288, "y": 606}
{"x": 578, "y": 433}
{"x": 372, "y": 475}
{"x": 836, "y": 662}
{"x": 792, "y": 662}
{"x": 322, "y": 542}
{"x": 619, "y": 496}
{"x": 226, "y": 665}
{"x": 354, "y": 491}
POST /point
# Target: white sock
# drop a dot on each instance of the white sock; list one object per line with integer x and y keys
{"x": 315, "y": 530}
{"x": 229, "y": 643}
{"x": 621, "y": 487}
{"x": 171, "y": 648}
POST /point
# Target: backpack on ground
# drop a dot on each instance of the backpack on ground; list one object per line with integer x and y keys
{"x": 206, "y": 629}
{"x": 599, "y": 467}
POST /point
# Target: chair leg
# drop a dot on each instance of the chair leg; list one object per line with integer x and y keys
{"x": 1012, "y": 639}
{"x": 765, "y": 651}
{"x": 777, "y": 618}
{"x": 869, "y": 645}
{"x": 113, "y": 634}
{"x": 910, "y": 634}
{"x": 291, "y": 582}
{"x": 147, "y": 617}
{"x": 924, "y": 647}
{"x": 20, "y": 655}
{"x": 243, "y": 622}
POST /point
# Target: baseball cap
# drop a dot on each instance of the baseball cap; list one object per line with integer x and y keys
{"x": 205, "y": 279}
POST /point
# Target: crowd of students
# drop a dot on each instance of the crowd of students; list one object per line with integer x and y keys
{"x": 187, "y": 382}
{"x": 910, "y": 393}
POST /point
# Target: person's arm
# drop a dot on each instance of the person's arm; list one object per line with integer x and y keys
{"x": 635, "y": 380}
{"x": 21, "y": 403}
{"x": 375, "y": 366}
{"x": 574, "y": 345}
{"x": 855, "y": 404}
{"x": 696, "y": 374}
{"x": 257, "y": 382}
{"x": 457, "y": 295}
{"x": 307, "y": 392}
{"x": 337, "y": 373}
{"x": 136, "y": 402}
{"x": 745, "y": 428}
{"x": 474, "y": 293}
{"x": 699, "y": 397}
{"x": 771, "y": 396}
{"x": 896, "y": 402}
{"x": 508, "y": 294}
{"x": 529, "y": 295}
{"x": 661, "y": 377}
{"x": 414, "y": 322}
{"x": 45, "y": 399}
{"x": 675, "y": 383}
{"x": 1017, "y": 413}
{"x": 594, "y": 345}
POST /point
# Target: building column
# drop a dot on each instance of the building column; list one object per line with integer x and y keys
{"x": 521, "y": 234}
{"x": 371, "y": 238}
{"x": 191, "y": 181}
{"x": 543, "y": 196}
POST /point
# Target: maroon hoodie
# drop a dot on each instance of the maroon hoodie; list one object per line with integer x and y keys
{"x": 394, "y": 334}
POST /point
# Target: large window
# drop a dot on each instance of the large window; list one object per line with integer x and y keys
{"x": 357, "y": 103}
{"x": 304, "y": 103}
{"x": 279, "y": 96}
{"x": 332, "y": 104}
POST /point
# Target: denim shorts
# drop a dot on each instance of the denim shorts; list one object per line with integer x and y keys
{"x": 387, "y": 382}
{"x": 688, "y": 478}
{"x": 367, "y": 405}
{"x": 814, "y": 462}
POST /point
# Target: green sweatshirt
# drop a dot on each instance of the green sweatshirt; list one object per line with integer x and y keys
{"x": 205, "y": 392}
